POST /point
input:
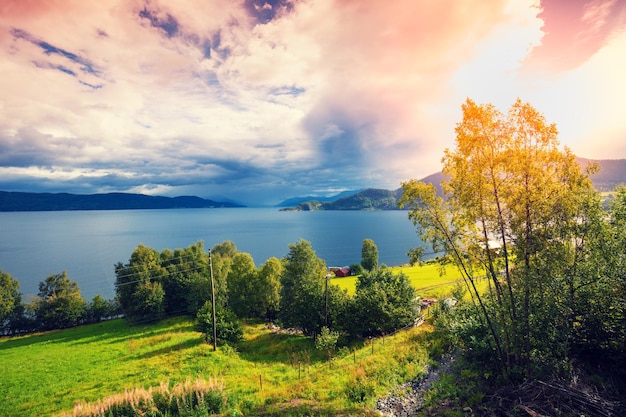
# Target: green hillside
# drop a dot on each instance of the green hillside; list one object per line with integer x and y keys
{"x": 269, "y": 373}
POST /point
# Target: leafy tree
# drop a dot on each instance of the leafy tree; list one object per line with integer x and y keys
{"x": 148, "y": 302}
{"x": 199, "y": 291}
{"x": 241, "y": 285}
{"x": 13, "y": 317}
{"x": 356, "y": 269}
{"x": 520, "y": 210}
{"x": 184, "y": 267}
{"x": 598, "y": 316}
{"x": 267, "y": 289}
{"x": 383, "y": 302}
{"x": 21, "y": 320}
{"x": 227, "y": 248}
{"x": 170, "y": 282}
{"x": 10, "y": 295}
{"x": 369, "y": 255}
{"x": 326, "y": 341}
{"x": 59, "y": 303}
{"x": 228, "y": 328}
{"x": 143, "y": 268}
{"x": 100, "y": 309}
{"x": 222, "y": 259}
{"x": 615, "y": 289}
{"x": 302, "y": 293}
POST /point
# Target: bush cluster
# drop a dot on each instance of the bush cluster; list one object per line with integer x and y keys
{"x": 58, "y": 305}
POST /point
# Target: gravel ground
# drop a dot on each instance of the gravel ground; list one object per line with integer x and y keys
{"x": 408, "y": 399}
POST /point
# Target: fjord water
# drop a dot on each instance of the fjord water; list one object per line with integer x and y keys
{"x": 87, "y": 244}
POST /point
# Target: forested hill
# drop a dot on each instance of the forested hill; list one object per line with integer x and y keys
{"x": 292, "y": 202}
{"x": 369, "y": 199}
{"x": 19, "y": 201}
{"x": 612, "y": 173}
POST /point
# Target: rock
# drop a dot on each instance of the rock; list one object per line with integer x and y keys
{"x": 408, "y": 398}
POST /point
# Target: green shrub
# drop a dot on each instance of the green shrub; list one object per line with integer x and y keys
{"x": 359, "y": 390}
{"x": 356, "y": 269}
{"x": 229, "y": 329}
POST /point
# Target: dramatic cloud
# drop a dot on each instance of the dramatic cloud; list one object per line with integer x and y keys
{"x": 260, "y": 100}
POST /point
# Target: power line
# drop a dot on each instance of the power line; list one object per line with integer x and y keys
{"x": 153, "y": 277}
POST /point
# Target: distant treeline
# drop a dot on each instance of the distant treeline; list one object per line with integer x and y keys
{"x": 58, "y": 305}
{"x": 295, "y": 292}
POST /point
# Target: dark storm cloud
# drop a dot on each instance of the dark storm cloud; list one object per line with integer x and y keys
{"x": 339, "y": 135}
{"x": 230, "y": 169}
{"x": 167, "y": 23}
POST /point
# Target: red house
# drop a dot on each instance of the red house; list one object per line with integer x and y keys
{"x": 343, "y": 271}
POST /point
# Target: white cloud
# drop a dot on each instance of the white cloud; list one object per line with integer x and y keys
{"x": 222, "y": 95}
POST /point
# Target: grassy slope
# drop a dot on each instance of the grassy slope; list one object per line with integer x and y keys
{"x": 48, "y": 373}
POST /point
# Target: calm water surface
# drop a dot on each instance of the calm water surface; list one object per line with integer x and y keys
{"x": 87, "y": 244}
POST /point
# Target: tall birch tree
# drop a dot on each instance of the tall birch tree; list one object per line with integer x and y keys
{"x": 513, "y": 210}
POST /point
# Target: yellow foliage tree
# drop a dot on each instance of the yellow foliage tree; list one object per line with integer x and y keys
{"x": 511, "y": 199}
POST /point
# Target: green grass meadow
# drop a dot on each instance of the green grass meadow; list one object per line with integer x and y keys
{"x": 429, "y": 280}
{"x": 269, "y": 373}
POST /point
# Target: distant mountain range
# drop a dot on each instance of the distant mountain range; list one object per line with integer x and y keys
{"x": 369, "y": 199}
{"x": 612, "y": 173}
{"x": 19, "y": 201}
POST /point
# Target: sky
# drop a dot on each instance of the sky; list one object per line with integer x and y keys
{"x": 258, "y": 101}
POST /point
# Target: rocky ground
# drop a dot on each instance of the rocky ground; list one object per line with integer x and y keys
{"x": 408, "y": 399}
{"x": 534, "y": 398}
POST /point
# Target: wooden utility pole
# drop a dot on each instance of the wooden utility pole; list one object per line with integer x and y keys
{"x": 213, "y": 302}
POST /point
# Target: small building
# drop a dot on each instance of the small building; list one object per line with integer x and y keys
{"x": 343, "y": 271}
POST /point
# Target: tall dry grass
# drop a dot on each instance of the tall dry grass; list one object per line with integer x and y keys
{"x": 187, "y": 398}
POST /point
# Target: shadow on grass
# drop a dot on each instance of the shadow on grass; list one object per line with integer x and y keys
{"x": 278, "y": 348}
{"x": 87, "y": 333}
{"x": 185, "y": 344}
{"x": 147, "y": 331}
{"x": 110, "y": 331}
